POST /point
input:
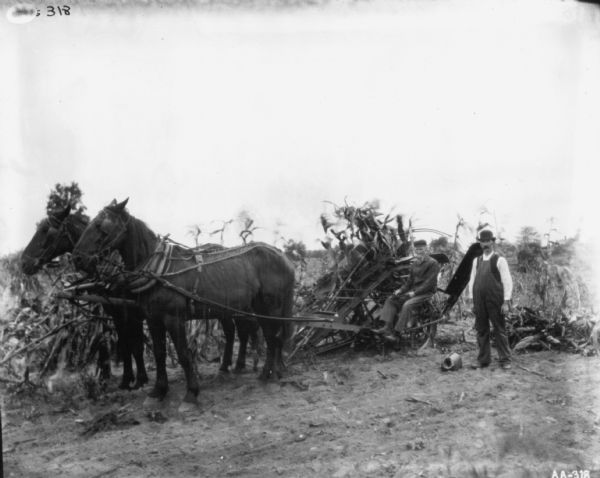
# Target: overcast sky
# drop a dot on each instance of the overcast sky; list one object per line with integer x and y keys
{"x": 435, "y": 108}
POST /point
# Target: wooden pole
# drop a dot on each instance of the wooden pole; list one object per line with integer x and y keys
{"x": 97, "y": 299}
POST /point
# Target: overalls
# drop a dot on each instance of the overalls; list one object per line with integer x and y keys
{"x": 488, "y": 296}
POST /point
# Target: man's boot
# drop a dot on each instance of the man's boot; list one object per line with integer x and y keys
{"x": 386, "y": 329}
{"x": 388, "y": 316}
{"x": 387, "y": 332}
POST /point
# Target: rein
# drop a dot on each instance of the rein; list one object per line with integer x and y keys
{"x": 204, "y": 300}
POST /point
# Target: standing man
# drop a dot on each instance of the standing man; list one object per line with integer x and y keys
{"x": 421, "y": 285}
{"x": 491, "y": 289}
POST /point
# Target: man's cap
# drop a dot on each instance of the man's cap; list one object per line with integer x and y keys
{"x": 420, "y": 243}
{"x": 486, "y": 235}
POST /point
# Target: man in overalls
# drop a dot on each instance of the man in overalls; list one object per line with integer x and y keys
{"x": 491, "y": 289}
{"x": 420, "y": 286}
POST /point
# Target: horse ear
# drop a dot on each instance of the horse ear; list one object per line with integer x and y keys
{"x": 61, "y": 216}
{"x": 113, "y": 203}
{"x": 121, "y": 206}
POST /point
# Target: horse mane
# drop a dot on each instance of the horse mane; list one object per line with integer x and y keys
{"x": 140, "y": 240}
{"x": 76, "y": 223}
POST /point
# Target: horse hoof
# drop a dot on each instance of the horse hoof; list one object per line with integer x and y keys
{"x": 152, "y": 403}
{"x": 187, "y": 407}
{"x": 191, "y": 396}
{"x": 158, "y": 394}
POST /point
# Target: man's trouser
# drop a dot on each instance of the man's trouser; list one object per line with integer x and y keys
{"x": 485, "y": 312}
{"x": 405, "y": 305}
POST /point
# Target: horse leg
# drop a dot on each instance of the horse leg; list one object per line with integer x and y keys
{"x": 269, "y": 330}
{"x": 278, "y": 365}
{"x": 121, "y": 326}
{"x": 275, "y": 331}
{"x": 104, "y": 357}
{"x": 159, "y": 346}
{"x": 285, "y": 329}
{"x": 176, "y": 328}
{"x": 257, "y": 344}
{"x": 229, "y": 331}
{"x": 136, "y": 347}
{"x": 243, "y": 330}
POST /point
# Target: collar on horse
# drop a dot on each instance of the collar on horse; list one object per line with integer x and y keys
{"x": 157, "y": 264}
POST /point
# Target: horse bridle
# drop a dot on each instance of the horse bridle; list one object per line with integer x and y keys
{"x": 107, "y": 245}
{"x": 61, "y": 227}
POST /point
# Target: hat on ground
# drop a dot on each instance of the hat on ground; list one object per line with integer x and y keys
{"x": 420, "y": 243}
{"x": 486, "y": 235}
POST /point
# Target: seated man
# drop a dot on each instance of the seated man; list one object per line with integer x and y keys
{"x": 421, "y": 285}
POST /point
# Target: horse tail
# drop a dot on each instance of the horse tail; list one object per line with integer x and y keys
{"x": 288, "y": 327}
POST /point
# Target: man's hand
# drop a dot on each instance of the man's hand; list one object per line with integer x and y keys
{"x": 411, "y": 294}
{"x": 505, "y": 307}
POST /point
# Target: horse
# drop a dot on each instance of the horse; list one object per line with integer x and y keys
{"x": 247, "y": 329}
{"x": 56, "y": 235}
{"x": 256, "y": 279}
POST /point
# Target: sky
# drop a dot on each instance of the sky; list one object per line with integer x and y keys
{"x": 436, "y": 109}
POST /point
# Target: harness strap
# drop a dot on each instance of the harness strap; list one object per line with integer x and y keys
{"x": 204, "y": 300}
{"x": 493, "y": 265}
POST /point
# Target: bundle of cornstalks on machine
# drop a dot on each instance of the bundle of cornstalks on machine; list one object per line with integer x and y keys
{"x": 364, "y": 248}
{"x": 356, "y": 237}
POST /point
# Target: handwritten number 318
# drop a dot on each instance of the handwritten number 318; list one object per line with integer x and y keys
{"x": 64, "y": 10}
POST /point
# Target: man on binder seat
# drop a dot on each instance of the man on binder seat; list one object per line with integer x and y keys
{"x": 420, "y": 286}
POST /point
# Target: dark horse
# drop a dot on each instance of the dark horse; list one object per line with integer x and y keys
{"x": 256, "y": 278}
{"x": 57, "y": 235}
{"x": 247, "y": 329}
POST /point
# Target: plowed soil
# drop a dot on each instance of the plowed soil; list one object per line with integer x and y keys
{"x": 343, "y": 415}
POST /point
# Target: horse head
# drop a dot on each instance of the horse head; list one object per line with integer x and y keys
{"x": 104, "y": 234}
{"x": 52, "y": 238}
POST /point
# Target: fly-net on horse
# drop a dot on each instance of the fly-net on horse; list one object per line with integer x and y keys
{"x": 167, "y": 278}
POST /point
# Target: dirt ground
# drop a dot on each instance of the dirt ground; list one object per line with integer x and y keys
{"x": 343, "y": 415}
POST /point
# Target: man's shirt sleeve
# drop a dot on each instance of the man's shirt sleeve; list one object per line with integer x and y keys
{"x": 408, "y": 284}
{"x": 469, "y": 294}
{"x": 505, "y": 278}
